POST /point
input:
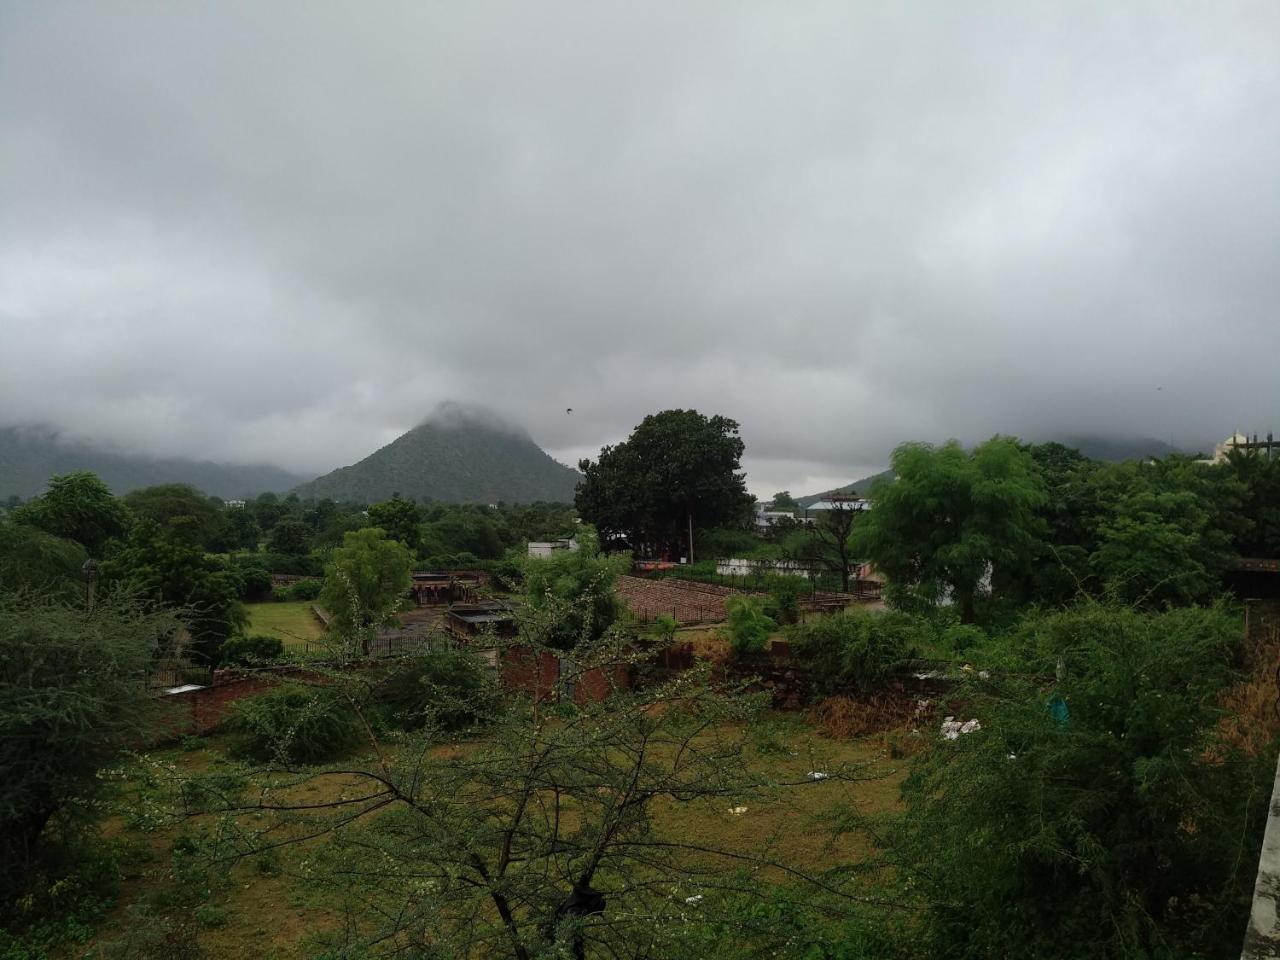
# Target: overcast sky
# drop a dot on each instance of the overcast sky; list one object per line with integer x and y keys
{"x": 284, "y": 232}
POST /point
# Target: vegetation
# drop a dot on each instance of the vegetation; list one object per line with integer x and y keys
{"x": 292, "y": 623}
{"x": 1117, "y": 824}
{"x": 72, "y": 694}
{"x": 446, "y": 689}
{"x": 250, "y": 650}
{"x": 747, "y": 625}
{"x": 856, "y": 651}
{"x": 457, "y": 456}
{"x": 569, "y": 596}
{"x": 952, "y": 520}
{"x": 77, "y": 506}
{"x": 678, "y": 470}
{"x": 295, "y": 724}
{"x": 365, "y": 584}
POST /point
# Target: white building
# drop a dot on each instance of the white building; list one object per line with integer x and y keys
{"x": 545, "y": 548}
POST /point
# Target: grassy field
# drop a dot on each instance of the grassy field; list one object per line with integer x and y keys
{"x": 293, "y": 623}
{"x": 265, "y": 906}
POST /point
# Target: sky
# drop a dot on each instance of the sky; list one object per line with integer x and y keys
{"x": 285, "y": 232}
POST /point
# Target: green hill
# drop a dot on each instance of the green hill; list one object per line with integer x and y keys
{"x": 29, "y": 456}
{"x": 457, "y": 456}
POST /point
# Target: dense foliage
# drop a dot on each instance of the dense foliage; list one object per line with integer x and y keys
{"x": 678, "y": 470}
{"x": 1097, "y": 812}
{"x": 857, "y": 650}
{"x": 295, "y": 724}
{"x": 747, "y": 625}
{"x": 569, "y": 596}
{"x": 445, "y": 689}
{"x": 79, "y": 507}
{"x": 365, "y": 583}
{"x": 72, "y": 694}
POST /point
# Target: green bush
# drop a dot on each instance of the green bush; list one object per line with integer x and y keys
{"x": 253, "y": 577}
{"x": 248, "y": 651}
{"x": 784, "y": 598}
{"x": 960, "y": 638}
{"x": 302, "y": 590}
{"x": 857, "y": 650}
{"x": 664, "y": 627}
{"x": 1100, "y": 816}
{"x": 747, "y": 625}
{"x": 294, "y": 724}
{"x": 448, "y": 689}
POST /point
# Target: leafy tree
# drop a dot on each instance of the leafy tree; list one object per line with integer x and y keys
{"x": 542, "y": 839}
{"x": 400, "y": 518}
{"x": 33, "y": 560}
{"x": 1101, "y": 816}
{"x": 80, "y": 507}
{"x": 830, "y": 541}
{"x": 677, "y": 470}
{"x": 294, "y": 723}
{"x": 290, "y": 537}
{"x": 72, "y": 694}
{"x": 785, "y": 501}
{"x": 1259, "y": 479}
{"x": 236, "y": 530}
{"x": 169, "y": 501}
{"x": 267, "y": 509}
{"x": 168, "y": 566}
{"x": 747, "y": 625}
{"x": 952, "y": 519}
{"x": 449, "y": 690}
{"x": 366, "y": 582}
{"x": 570, "y": 594}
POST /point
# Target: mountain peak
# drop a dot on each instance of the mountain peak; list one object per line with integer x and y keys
{"x": 459, "y": 454}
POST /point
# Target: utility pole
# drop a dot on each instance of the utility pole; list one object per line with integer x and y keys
{"x": 689, "y": 514}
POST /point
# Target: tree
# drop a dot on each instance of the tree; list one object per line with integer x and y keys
{"x": 570, "y": 594}
{"x": 831, "y": 538}
{"x": 168, "y": 566}
{"x": 237, "y": 530}
{"x": 951, "y": 520}
{"x": 542, "y": 838}
{"x": 32, "y": 560}
{"x": 80, "y": 507}
{"x": 289, "y": 536}
{"x": 785, "y": 501}
{"x": 72, "y": 694}
{"x": 169, "y": 501}
{"x": 400, "y": 518}
{"x": 678, "y": 469}
{"x": 365, "y": 583}
{"x": 1100, "y": 816}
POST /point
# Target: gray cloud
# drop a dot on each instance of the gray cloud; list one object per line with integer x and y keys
{"x": 284, "y": 232}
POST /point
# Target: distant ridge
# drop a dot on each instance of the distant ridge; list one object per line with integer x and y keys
{"x": 1106, "y": 449}
{"x": 29, "y": 456}
{"x": 459, "y": 455}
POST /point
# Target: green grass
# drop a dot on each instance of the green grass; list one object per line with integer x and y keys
{"x": 293, "y": 623}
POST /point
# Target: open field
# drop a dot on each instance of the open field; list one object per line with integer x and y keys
{"x": 293, "y": 623}
{"x": 270, "y": 906}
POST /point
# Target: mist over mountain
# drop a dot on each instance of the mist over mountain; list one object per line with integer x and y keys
{"x": 460, "y": 454}
{"x": 29, "y": 456}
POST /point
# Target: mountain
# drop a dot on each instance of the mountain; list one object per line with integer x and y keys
{"x": 459, "y": 455}
{"x": 1107, "y": 449}
{"x": 29, "y": 456}
{"x": 858, "y": 486}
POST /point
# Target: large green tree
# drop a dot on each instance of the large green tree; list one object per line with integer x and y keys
{"x": 953, "y": 521}
{"x": 34, "y": 561}
{"x": 678, "y": 470}
{"x": 400, "y": 518}
{"x": 365, "y": 583}
{"x": 169, "y": 501}
{"x": 77, "y": 506}
{"x": 168, "y": 566}
{"x": 72, "y": 694}
{"x": 569, "y": 596}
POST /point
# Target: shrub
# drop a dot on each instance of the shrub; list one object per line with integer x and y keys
{"x": 857, "y": 650}
{"x": 1127, "y": 827}
{"x": 247, "y": 651}
{"x": 254, "y": 578}
{"x": 303, "y": 590}
{"x": 784, "y": 598}
{"x": 294, "y": 724}
{"x": 960, "y": 638}
{"x": 448, "y": 689}
{"x": 665, "y": 626}
{"x": 747, "y": 625}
